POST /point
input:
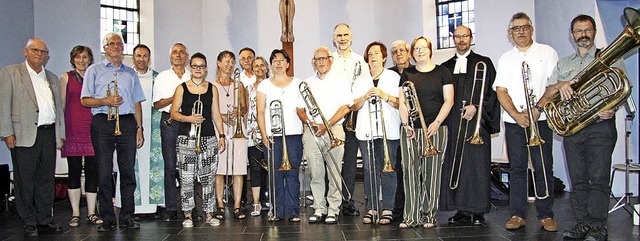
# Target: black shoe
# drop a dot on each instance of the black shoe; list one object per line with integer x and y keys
{"x": 50, "y": 227}
{"x": 168, "y": 215}
{"x": 30, "y": 231}
{"x": 596, "y": 234}
{"x": 459, "y": 218}
{"x": 477, "y": 219}
{"x": 579, "y": 231}
{"x": 106, "y": 226}
{"x": 131, "y": 224}
{"x": 350, "y": 210}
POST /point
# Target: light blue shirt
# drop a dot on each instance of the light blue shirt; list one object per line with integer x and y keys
{"x": 97, "y": 79}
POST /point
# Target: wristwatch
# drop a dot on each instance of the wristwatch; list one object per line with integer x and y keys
{"x": 141, "y": 128}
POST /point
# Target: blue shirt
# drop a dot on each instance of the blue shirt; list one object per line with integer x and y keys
{"x": 97, "y": 78}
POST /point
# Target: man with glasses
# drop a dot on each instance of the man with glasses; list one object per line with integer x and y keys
{"x": 348, "y": 66}
{"x": 509, "y": 87}
{"x": 333, "y": 99}
{"x": 32, "y": 127}
{"x": 470, "y": 193}
{"x": 163, "y": 89}
{"x": 246, "y": 56}
{"x": 588, "y": 152}
{"x": 126, "y": 95}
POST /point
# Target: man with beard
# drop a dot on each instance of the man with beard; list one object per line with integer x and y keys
{"x": 508, "y": 85}
{"x": 588, "y": 152}
{"x": 469, "y": 192}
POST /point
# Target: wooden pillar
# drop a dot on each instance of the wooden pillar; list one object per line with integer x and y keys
{"x": 288, "y": 47}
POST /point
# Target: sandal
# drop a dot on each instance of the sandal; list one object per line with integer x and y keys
{"x": 74, "y": 222}
{"x": 386, "y": 218}
{"x": 316, "y": 218}
{"x": 94, "y": 219}
{"x": 428, "y": 225}
{"x": 220, "y": 213}
{"x": 237, "y": 213}
{"x": 257, "y": 209}
{"x": 403, "y": 225}
{"x": 294, "y": 219}
{"x": 367, "y": 219}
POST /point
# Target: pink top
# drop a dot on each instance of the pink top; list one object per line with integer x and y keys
{"x": 77, "y": 120}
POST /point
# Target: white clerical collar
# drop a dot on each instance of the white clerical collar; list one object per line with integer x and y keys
{"x": 461, "y": 63}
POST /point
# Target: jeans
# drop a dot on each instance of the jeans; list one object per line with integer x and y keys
{"x": 287, "y": 183}
{"x": 387, "y": 180}
{"x": 168, "y": 137}
{"x": 588, "y": 155}
{"x": 104, "y": 143}
{"x": 516, "y": 138}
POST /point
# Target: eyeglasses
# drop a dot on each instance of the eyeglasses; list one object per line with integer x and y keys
{"x": 398, "y": 51}
{"x": 195, "y": 66}
{"x": 320, "y": 59}
{"x": 581, "y": 31}
{"x": 115, "y": 44}
{"x": 421, "y": 49}
{"x": 521, "y": 28}
{"x": 461, "y": 36}
{"x": 39, "y": 51}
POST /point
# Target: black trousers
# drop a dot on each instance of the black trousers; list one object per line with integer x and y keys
{"x": 33, "y": 175}
{"x": 104, "y": 143}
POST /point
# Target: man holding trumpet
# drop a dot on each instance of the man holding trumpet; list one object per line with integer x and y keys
{"x": 468, "y": 161}
{"x": 527, "y": 67}
{"x": 317, "y": 140}
{"x": 112, "y": 90}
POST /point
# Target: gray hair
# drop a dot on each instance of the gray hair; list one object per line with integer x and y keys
{"x": 186, "y": 50}
{"x": 400, "y": 42}
{"x": 105, "y": 39}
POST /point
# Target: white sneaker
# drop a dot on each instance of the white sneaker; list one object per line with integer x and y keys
{"x": 257, "y": 209}
{"x": 187, "y": 223}
{"x": 213, "y": 221}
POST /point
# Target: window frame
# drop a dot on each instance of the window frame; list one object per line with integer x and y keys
{"x": 131, "y": 31}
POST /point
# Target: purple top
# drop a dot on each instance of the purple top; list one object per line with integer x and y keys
{"x": 77, "y": 120}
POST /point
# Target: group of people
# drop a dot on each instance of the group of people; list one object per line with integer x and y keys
{"x": 410, "y": 123}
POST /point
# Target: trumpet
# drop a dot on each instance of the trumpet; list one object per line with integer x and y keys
{"x": 357, "y": 71}
{"x": 236, "y": 87}
{"x": 113, "y": 112}
{"x": 415, "y": 112}
{"x": 321, "y": 142}
{"x": 533, "y": 134}
{"x": 475, "y": 139}
{"x": 168, "y": 121}
{"x": 196, "y": 129}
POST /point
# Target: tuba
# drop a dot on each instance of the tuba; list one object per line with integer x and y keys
{"x": 480, "y": 74}
{"x": 415, "y": 112}
{"x": 599, "y": 86}
{"x": 113, "y": 112}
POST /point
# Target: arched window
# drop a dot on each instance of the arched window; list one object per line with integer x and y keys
{"x": 451, "y": 14}
{"x": 121, "y": 16}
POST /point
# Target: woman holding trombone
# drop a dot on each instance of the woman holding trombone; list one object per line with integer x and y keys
{"x": 277, "y": 100}
{"x": 425, "y": 101}
{"x": 378, "y": 133}
{"x": 195, "y": 106}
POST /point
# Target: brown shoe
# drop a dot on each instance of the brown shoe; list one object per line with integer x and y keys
{"x": 549, "y": 225}
{"x": 516, "y": 222}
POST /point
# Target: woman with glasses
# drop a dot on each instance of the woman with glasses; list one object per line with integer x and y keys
{"x": 78, "y": 139}
{"x": 260, "y": 68}
{"x": 434, "y": 88}
{"x": 232, "y": 108}
{"x": 198, "y": 150}
{"x": 284, "y": 88}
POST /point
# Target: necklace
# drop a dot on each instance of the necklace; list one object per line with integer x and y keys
{"x": 226, "y": 90}
{"x": 198, "y": 84}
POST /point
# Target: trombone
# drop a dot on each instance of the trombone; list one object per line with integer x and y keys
{"x": 415, "y": 112}
{"x": 277, "y": 127}
{"x": 196, "y": 129}
{"x": 475, "y": 139}
{"x": 113, "y": 112}
{"x": 533, "y": 135}
{"x": 323, "y": 145}
{"x": 375, "y": 109}
{"x": 357, "y": 71}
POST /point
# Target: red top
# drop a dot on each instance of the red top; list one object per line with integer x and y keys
{"x": 77, "y": 120}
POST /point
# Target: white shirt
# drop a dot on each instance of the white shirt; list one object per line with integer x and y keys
{"x": 389, "y": 83}
{"x": 291, "y": 100}
{"x": 330, "y": 93}
{"x": 541, "y": 59}
{"x": 44, "y": 96}
{"x": 345, "y": 67}
{"x": 246, "y": 80}
{"x": 165, "y": 85}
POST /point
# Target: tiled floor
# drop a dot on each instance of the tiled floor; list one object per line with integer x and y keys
{"x": 349, "y": 228}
